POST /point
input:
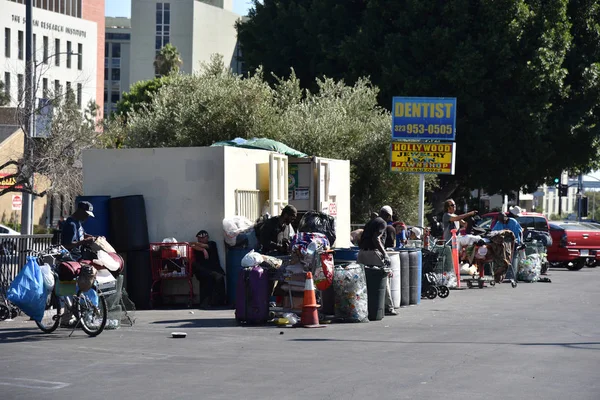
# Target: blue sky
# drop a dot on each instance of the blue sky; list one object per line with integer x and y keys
{"x": 122, "y": 8}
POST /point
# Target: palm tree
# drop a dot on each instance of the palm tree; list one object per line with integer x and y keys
{"x": 167, "y": 60}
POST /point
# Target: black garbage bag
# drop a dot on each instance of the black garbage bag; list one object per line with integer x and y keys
{"x": 318, "y": 222}
{"x": 541, "y": 236}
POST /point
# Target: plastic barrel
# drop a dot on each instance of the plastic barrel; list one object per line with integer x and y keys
{"x": 404, "y": 283}
{"x": 376, "y": 281}
{"x": 99, "y": 225}
{"x": 396, "y": 279}
{"x": 139, "y": 278}
{"x": 328, "y": 301}
{"x": 345, "y": 255}
{"x": 415, "y": 266}
{"x": 128, "y": 224}
{"x": 233, "y": 266}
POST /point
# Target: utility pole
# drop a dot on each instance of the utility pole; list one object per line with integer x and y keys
{"x": 27, "y": 212}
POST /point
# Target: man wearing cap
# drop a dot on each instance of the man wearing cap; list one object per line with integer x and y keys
{"x": 73, "y": 236}
{"x": 372, "y": 249}
{"x": 505, "y": 222}
{"x": 208, "y": 271}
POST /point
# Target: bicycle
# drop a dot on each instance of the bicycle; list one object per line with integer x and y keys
{"x": 91, "y": 316}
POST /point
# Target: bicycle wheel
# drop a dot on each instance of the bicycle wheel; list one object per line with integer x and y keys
{"x": 91, "y": 316}
{"x": 51, "y": 318}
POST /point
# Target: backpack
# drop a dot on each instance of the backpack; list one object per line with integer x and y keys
{"x": 258, "y": 225}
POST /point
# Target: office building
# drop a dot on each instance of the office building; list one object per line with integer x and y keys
{"x": 68, "y": 44}
{"x": 117, "y": 47}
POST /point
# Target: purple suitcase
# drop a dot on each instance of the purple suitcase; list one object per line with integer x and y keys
{"x": 252, "y": 296}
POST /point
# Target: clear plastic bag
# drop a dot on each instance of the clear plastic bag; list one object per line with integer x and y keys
{"x": 232, "y": 227}
{"x": 47, "y": 276}
{"x": 252, "y": 259}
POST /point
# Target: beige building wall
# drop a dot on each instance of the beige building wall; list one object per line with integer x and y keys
{"x": 12, "y": 149}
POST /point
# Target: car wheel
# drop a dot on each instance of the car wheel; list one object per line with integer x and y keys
{"x": 576, "y": 265}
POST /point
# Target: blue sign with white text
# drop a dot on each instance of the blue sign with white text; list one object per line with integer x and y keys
{"x": 424, "y": 118}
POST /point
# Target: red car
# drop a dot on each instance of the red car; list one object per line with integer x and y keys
{"x": 574, "y": 245}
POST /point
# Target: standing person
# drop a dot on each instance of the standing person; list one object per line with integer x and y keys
{"x": 372, "y": 249}
{"x": 451, "y": 220}
{"x": 208, "y": 271}
{"x": 73, "y": 236}
{"x": 506, "y": 222}
{"x": 276, "y": 232}
{"x": 401, "y": 234}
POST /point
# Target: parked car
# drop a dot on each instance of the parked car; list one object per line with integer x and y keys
{"x": 575, "y": 245}
{"x": 5, "y": 230}
{"x": 527, "y": 220}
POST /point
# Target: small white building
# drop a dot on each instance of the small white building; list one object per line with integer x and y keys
{"x": 193, "y": 188}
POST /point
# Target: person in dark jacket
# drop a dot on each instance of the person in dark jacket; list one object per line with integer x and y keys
{"x": 73, "y": 236}
{"x": 372, "y": 249}
{"x": 207, "y": 269}
{"x": 276, "y": 232}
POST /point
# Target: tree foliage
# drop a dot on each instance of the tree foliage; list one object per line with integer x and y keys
{"x": 56, "y": 158}
{"x": 168, "y": 60}
{"x": 525, "y": 72}
{"x": 4, "y": 97}
{"x": 337, "y": 121}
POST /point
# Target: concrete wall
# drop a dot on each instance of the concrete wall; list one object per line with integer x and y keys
{"x": 213, "y": 33}
{"x": 182, "y": 187}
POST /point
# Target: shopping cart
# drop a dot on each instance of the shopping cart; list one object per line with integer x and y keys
{"x": 432, "y": 286}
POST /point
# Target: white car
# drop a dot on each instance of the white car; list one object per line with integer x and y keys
{"x": 5, "y": 230}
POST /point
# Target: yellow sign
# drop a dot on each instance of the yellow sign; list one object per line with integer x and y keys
{"x": 423, "y": 158}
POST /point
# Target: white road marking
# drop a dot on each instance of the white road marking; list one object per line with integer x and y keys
{"x": 33, "y": 383}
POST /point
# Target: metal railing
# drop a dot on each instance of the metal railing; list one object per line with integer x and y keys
{"x": 14, "y": 250}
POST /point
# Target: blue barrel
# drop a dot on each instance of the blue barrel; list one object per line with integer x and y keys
{"x": 404, "y": 278}
{"x": 233, "y": 266}
{"x": 100, "y": 224}
{"x": 415, "y": 266}
{"x": 344, "y": 255}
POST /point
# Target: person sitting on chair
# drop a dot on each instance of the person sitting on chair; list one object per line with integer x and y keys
{"x": 207, "y": 269}
{"x": 276, "y": 232}
{"x": 73, "y": 236}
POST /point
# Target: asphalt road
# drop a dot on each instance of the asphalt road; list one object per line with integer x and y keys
{"x": 537, "y": 341}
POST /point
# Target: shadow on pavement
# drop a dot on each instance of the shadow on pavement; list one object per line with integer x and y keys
{"x": 200, "y": 323}
{"x": 21, "y": 335}
{"x": 578, "y": 345}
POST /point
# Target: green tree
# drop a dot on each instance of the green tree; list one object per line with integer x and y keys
{"x": 337, "y": 121}
{"x": 519, "y": 68}
{"x": 168, "y": 60}
{"x": 140, "y": 95}
{"x": 4, "y": 97}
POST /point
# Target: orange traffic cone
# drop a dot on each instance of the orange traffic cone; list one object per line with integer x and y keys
{"x": 310, "y": 316}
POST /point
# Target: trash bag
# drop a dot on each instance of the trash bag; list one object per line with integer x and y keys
{"x": 318, "y": 222}
{"x": 47, "y": 276}
{"x": 350, "y": 287}
{"x": 232, "y": 227}
{"x": 252, "y": 259}
{"x": 27, "y": 290}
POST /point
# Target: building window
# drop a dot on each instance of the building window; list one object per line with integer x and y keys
{"x": 69, "y": 91}
{"x": 45, "y": 49}
{"x": 115, "y": 74}
{"x": 163, "y": 21}
{"x": 105, "y": 74}
{"x": 56, "y": 88}
{"x": 79, "y": 56}
{"x": 45, "y": 88}
{"x": 106, "y": 49}
{"x": 20, "y": 44}
{"x": 57, "y": 52}
{"x": 69, "y": 51}
{"x": 68, "y": 7}
{"x": 79, "y": 95}
{"x": 115, "y": 97}
{"x": 20, "y": 86}
{"x": 105, "y": 96}
{"x": 34, "y": 47}
{"x": 117, "y": 36}
{"x": 7, "y": 83}
{"x": 7, "y": 42}
{"x": 116, "y": 50}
